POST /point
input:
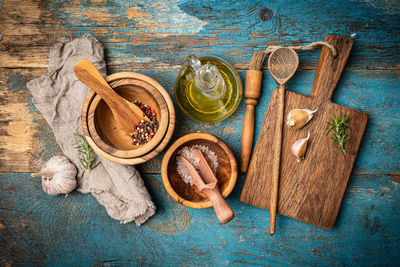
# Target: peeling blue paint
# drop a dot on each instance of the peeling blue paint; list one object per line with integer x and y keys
{"x": 376, "y": 93}
{"x": 167, "y": 33}
{"x": 16, "y": 82}
{"x": 366, "y": 233}
{"x": 37, "y": 229}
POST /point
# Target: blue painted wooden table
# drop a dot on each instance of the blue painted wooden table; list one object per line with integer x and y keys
{"x": 153, "y": 38}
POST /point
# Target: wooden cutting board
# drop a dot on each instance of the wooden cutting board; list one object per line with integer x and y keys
{"x": 310, "y": 191}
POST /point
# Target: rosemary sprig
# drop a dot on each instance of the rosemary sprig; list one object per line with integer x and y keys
{"x": 87, "y": 152}
{"x": 338, "y": 127}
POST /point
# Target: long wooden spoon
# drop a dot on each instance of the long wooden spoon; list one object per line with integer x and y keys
{"x": 125, "y": 113}
{"x": 282, "y": 63}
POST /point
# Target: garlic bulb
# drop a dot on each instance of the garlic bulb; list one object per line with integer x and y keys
{"x": 297, "y": 118}
{"x": 299, "y": 147}
{"x": 58, "y": 176}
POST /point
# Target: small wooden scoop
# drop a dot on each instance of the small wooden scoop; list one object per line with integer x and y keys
{"x": 282, "y": 63}
{"x": 125, "y": 113}
{"x": 207, "y": 183}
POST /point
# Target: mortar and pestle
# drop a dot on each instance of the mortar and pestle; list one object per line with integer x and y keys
{"x": 108, "y": 115}
{"x": 209, "y": 191}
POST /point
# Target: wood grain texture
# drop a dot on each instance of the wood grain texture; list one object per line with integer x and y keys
{"x": 310, "y": 191}
{"x": 125, "y": 113}
{"x": 190, "y": 195}
{"x": 101, "y": 123}
{"x": 153, "y": 38}
{"x": 276, "y": 157}
{"x": 160, "y": 35}
{"x": 207, "y": 183}
{"x": 31, "y": 222}
{"x": 378, "y": 154}
{"x": 252, "y": 93}
{"x": 102, "y": 126}
{"x": 23, "y": 131}
{"x": 282, "y": 64}
{"x": 159, "y": 98}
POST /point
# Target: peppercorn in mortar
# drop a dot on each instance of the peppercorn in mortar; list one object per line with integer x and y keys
{"x": 144, "y": 131}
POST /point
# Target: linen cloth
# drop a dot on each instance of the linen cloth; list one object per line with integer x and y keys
{"x": 59, "y": 96}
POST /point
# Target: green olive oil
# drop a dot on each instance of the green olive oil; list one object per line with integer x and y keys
{"x": 213, "y": 105}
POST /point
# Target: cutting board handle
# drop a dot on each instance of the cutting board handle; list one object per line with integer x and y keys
{"x": 330, "y": 68}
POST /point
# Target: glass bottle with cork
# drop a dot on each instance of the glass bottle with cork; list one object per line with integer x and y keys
{"x": 208, "y": 89}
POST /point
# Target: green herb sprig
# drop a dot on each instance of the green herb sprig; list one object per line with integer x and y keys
{"x": 338, "y": 127}
{"x": 86, "y": 151}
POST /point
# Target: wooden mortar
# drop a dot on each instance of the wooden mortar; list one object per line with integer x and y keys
{"x": 190, "y": 195}
{"x": 134, "y": 160}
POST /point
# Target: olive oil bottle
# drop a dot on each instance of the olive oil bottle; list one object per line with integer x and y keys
{"x": 208, "y": 89}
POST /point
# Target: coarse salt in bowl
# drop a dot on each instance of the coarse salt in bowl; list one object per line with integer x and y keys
{"x": 188, "y": 194}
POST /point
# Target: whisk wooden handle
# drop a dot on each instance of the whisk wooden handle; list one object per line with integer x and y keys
{"x": 247, "y": 138}
{"x": 277, "y": 159}
{"x": 252, "y": 93}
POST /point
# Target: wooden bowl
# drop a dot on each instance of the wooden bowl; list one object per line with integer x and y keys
{"x": 131, "y": 161}
{"x": 106, "y": 133}
{"x": 102, "y": 125}
{"x": 85, "y": 118}
{"x": 187, "y": 194}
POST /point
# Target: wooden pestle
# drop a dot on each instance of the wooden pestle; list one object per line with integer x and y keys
{"x": 252, "y": 93}
{"x": 125, "y": 113}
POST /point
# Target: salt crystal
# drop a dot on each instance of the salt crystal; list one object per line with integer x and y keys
{"x": 188, "y": 153}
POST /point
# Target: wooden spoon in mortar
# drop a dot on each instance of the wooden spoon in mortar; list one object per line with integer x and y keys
{"x": 282, "y": 63}
{"x": 125, "y": 113}
{"x": 207, "y": 183}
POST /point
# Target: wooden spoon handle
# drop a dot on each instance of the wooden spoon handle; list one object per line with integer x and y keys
{"x": 223, "y": 211}
{"x": 277, "y": 158}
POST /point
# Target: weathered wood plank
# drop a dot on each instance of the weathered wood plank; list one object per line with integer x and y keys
{"x": 374, "y": 92}
{"x": 154, "y": 37}
{"x": 161, "y": 34}
{"x": 40, "y": 229}
{"x": 25, "y": 137}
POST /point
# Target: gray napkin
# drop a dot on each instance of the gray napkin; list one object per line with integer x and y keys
{"x": 59, "y": 96}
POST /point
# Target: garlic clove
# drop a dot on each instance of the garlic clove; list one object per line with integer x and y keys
{"x": 299, "y": 147}
{"x": 297, "y": 118}
{"x": 58, "y": 176}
